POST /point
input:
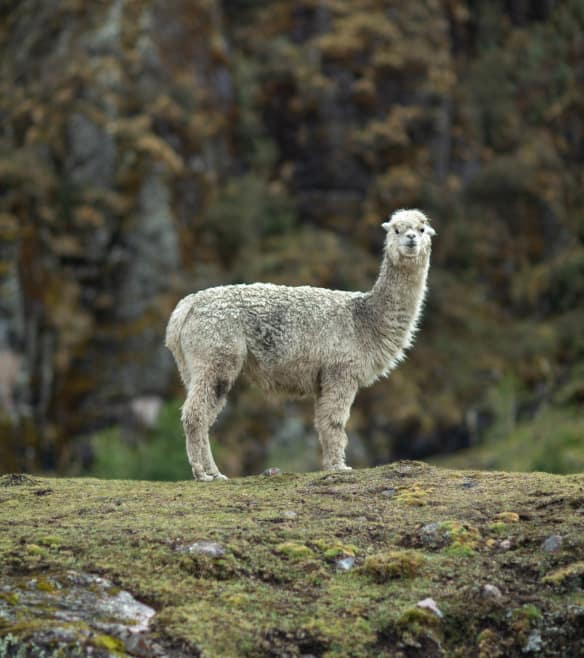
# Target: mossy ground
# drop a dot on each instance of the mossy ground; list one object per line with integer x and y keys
{"x": 278, "y": 590}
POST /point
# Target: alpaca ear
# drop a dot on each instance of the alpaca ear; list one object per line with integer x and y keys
{"x": 386, "y": 225}
{"x": 430, "y": 230}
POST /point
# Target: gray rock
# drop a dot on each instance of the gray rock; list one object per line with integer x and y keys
{"x": 505, "y": 545}
{"x": 289, "y": 514}
{"x": 430, "y": 604}
{"x": 430, "y": 529}
{"x": 106, "y": 36}
{"x": 66, "y": 600}
{"x": 138, "y": 644}
{"x": 153, "y": 244}
{"x": 431, "y": 536}
{"x": 345, "y": 564}
{"x": 534, "y": 643}
{"x": 210, "y": 548}
{"x": 492, "y": 592}
{"x": 552, "y": 544}
{"x": 274, "y": 470}
{"x": 92, "y": 152}
{"x": 388, "y": 493}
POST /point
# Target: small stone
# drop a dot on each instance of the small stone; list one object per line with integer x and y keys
{"x": 468, "y": 483}
{"x": 210, "y": 548}
{"x": 431, "y": 536}
{"x": 274, "y": 470}
{"x": 430, "y": 604}
{"x": 552, "y": 544}
{"x": 346, "y": 563}
{"x": 137, "y": 645}
{"x": 289, "y": 514}
{"x": 492, "y": 592}
{"x": 388, "y": 493}
{"x": 534, "y": 643}
{"x": 505, "y": 545}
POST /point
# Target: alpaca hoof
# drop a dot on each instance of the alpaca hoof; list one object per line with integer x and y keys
{"x": 219, "y": 476}
{"x": 338, "y": 467}
{"x": 201, "y": 476}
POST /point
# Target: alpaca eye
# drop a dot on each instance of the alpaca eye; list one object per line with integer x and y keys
{"x": 397, "y": 230}
{"x": 422, "y": 230}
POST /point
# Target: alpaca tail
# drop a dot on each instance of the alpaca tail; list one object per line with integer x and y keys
{"x": 173, "y": 335}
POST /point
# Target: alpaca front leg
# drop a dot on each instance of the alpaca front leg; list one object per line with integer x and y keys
{"x": 194, "y": 444}
{"x": 209, "y": 463}
{"x": 333, "y": 407}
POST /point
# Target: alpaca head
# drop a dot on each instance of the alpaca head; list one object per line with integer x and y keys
{"x": 409, "y": 237}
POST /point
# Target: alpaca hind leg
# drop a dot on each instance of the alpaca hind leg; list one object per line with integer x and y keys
{"x": 333, "y": 407}
{"x": 219, "y": 395}
{"x": 195, "y": 419}
{"x": 205, "y": 400}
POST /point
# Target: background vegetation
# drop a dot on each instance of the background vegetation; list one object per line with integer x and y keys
{"x": 151, "y": 148}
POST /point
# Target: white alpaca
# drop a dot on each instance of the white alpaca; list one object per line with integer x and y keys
{"x": 300, "y": 341}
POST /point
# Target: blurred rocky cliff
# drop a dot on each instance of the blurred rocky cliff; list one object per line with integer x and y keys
{"x": 151, "y": 148}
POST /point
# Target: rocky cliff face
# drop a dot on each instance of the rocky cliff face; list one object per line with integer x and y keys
{"x": 149, "y": 148}
{"x": 116, "y": 129}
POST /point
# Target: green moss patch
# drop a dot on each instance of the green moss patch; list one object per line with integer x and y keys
{"x": 418, "y": 620}
{"x": 568, "y": 577}
{"x": 112, "y": 644}
{"x": 294, "y": 550}
{"x": 335, "y": 549}
{"x": 415, "y": 495}
{"x": 393, "y": 564}
{"x": 463, "y": 538}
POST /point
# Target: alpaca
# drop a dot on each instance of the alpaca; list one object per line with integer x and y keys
{"x": 300, "y": 341}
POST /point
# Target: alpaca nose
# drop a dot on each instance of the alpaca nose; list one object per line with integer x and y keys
{"x": 411, "y": 236}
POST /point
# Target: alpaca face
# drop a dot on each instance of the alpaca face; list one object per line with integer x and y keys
{"x": 409, "y": 235}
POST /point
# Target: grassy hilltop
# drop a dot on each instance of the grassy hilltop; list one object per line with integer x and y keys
{"x": 288, "y": 565}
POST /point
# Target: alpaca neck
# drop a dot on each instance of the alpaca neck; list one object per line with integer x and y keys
{"x": 396, "y": 299}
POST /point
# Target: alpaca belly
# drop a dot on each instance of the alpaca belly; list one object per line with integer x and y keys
{"x": 291, "y": 379}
